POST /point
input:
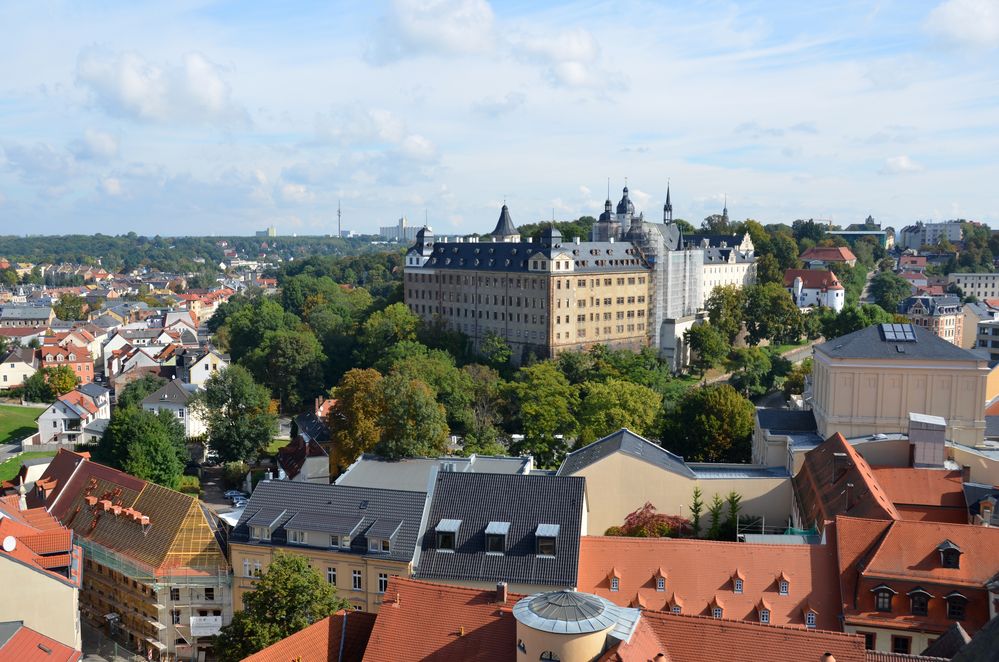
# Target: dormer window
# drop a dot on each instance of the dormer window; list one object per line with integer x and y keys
{"x": 810, "y": 619}
{"x": 446, "y": 531}
{"x": 737, "y": 586}
{"x": 950, "y": 554}
{"x": 956, "y": 604}
{"x": 546, "y": 536}
{"x": 783, "y": 584}
{"x": 496, "y": 533}
{"x": 919, "y": 601}
{"x": 660, "y": 584}
{"x": 764, "y": 616}
{"x": 296, "y": 537}
{"x": 716, "y": 612}
{"x": 615, "y": 584}
{"x": 260, "y": 533}
{"x": 676, "y": 609}
{"x": 882, "y": 597}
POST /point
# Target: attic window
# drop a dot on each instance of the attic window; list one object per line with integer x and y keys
{"x": 783, "y": 587}
{"x": 882, "y": 597}
{"x": 496, "y": 533}
{"x": 660, "y": 583}
{"x": 546, "y": 535}
{"x": 446, "y": 530}
{"x": 615, "y": 583}
{"x": 737, "y": 586}
{"x": 716, "y": 612}
{"x": 950, "y": 554}
{"x": 764, "y": 616}
{"x": 956, "y": 604}
{"x": 810, "y": 619}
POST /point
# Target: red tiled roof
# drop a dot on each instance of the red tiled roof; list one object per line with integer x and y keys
{"x": 912, "y": 261}
{"x": 80, "y": 399}
{"x": 40, "y": 541}
{"x": 423, "y": 621}
{"x": 323, "y": 641}
{"x": 925, "y": 494}
{"x": 29, "y": 646}
{"x": 699, "y": 572}
{"x": 700, "y": 639}
{"x": 822, "y": 492}
{"x": 812, "y": 279}
{"x": 829, "y": 254}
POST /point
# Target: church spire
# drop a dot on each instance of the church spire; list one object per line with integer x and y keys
{"x": 668, "y": 207}
{"x": 725, "y": 209}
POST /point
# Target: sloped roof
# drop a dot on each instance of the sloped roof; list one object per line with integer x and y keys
{"x": 23, "y": 355}
{"x": 174, "y": 392}
{"x": 829, "y": 254}
{"x": 984, "y": 646}
{"x": 292, "y": 457}
{"x": 624, "y": 441}
{"x": 525, "y": 501}
{"x": 504, "y": 225}
{"x": 79, "y": 402}
{"x": 924, "y": 494}
{"x": 786, "y": 420}
{"x": 41, "y": 542}
{"x": 698, "y": 571}
{"x": 868, "y": 343}
{"x": 338, "y": 638}
{"x": 23, "y": 644}
{"x": 813, "y": 279}
{"x": 821, "y": 486}
{"x": 413, "y": 473}
{"x": 948, "y": 644}
{"x": 424, "y": 621}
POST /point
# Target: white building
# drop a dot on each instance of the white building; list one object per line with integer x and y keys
{"x": 813, "y": 288}
{"x": 19, "y": 364}
{"x": 400, "y": 232}
{"x": 79, "y": 416}
{"x": 175, "y": 397}
{"x": 981, "y": 285}
{"x": 928, "y": 234}
{"x": 728, "y": 260}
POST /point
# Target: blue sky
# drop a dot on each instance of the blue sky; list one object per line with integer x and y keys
{"x": 198, "y": 117}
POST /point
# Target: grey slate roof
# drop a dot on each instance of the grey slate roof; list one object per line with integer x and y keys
{"x": 948, "y": 304}
{"x": 991, "y": 427}
{"x": 174, "y": 392}
{"x": 334, "y": 507}
{"x": 312, "y": 426}
{"x": 513, "y": 257}
{"x": 709, "y": 471}
{"x": 869, "y": 344}
{"x": 785, "y": 420}
{"x": 523, "y": 501}
{"x": 93, "y": 390}
{"x": 624, "y": 441}
{"x": 413, "y": 474}
{"x": 40, "y": 313}
{"x": 984, "y": 646}
{"x": 504, "y": 225}
{"x": 22, "y": 355}
{"x": 8, "y": 629}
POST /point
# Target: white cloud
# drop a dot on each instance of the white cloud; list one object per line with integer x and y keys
{"x": 494, "y": 107}
{"x": 128, "y": 85}
{"x": 432, "y": 27}
{"x": 94, "y": 146}
{"x": 972, "y": 23}
{"x": 111, "y": 186}
{"x": 39, "y": 163}
{"x": 296, "y": 193}
{"x": 570, "y": 58}
{"x": 900, "y": 165}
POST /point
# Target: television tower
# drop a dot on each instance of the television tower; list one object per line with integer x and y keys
{"x": 339, "y": 231}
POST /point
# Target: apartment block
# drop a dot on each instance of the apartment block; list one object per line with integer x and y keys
{"x": 981, "y": 286}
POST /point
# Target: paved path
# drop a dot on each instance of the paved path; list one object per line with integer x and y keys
{"x": 8, "y": 451}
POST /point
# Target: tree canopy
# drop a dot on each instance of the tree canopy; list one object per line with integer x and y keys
{"x": 711, "y": 424}
{"x": 237, "y": 414}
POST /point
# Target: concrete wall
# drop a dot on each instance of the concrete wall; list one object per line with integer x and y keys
{"x": 43, "y": 603}
{"x": 620, "y": 484}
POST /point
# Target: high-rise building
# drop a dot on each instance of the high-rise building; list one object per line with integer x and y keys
{"x": 399, "y": 232}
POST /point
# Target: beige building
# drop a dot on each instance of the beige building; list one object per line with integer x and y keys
{"x": 541, "y": 296}
{"x": 623, "y": 472}
{"x": 868, "y": 381}
{"x": 982, "y": 286}
{"x": 354, "y": 537}
{"x": 17, "y": 366}
{"x": 942, "y": 315}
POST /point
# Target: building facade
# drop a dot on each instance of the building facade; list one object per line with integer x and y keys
{"x": 943, "y": 316}
{"x": 981, "y": 286}
{"x": 813, "y": 288}
{"x": 928, "y": 234}
{"x": 728, "y": 260}
{"x": 19, "y": 364}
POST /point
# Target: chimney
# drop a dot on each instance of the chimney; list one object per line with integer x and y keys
{"x": 22, "y": 499}
{"x": 965, "y": 474}
{"x": 841, "y": 462}
{"x": 927, "y": 434}
{"x": 501, "y": 592}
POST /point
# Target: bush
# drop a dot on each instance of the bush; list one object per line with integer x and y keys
{"x": 233, "y": 474}
{"x": 189, "y": 485}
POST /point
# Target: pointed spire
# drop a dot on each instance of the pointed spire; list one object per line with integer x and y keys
{"x": 504, "y": 225}
{"x": 668, "y": 207}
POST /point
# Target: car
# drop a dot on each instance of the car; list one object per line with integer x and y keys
{"x": 232, "y": 494}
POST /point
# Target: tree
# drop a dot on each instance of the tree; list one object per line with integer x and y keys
{"x": 288, "y": 596}
{"x": 147, "y": 445}
{"x": 751, "y": 371}
{"x": 647, "y": 523}
{"x": 889, "y": 290}
{"x": 609, "y": 406}
{"x": 852, "y": 318}
{"x": 495, "y": 350}
{"x": 794, "y": 384}
{"x": 237, "y": 411}
{"x": 715, "y": 515}
{"x": 383, "y": 329}
{"x": 289, "y": 362}
{"x": 696, "y": 508}
{"x": 710, "y": 424}
{"x": 70, "y": 307}
{"x": 716, "y": 224}
{"x": 452, "y": 387}
{"x": 355, "y": 419}
{"x": 685, "y": 226}
{"x": 413, "y": 423}
{"x": 768, "y": 270}
{"x": 37, "y": 389}
{"x": 61, "y": 379}
{"x": 726, "y": 310}
{"x": 731, "y": 527}
{"x": 772, "y": 315}
{"x": 708, "y": 345}
{"x": 543, "y": 404}
{"x": 251, "y": 320}
{"x": 785, "y": 250}
{"x": 137, "y": 391}
{"x": 482, "y": 436}
{"x": 808, "y": 230}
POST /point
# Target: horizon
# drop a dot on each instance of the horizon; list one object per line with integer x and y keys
{"x": 170, "y": 119}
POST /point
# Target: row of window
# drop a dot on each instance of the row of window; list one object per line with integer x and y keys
{"x": 783, "y": 586}
{"x": 595, "y": 317}
{"x": 620, "y": 328}
{"x": 357, "y": 579}
{"x": 919, "y": 602}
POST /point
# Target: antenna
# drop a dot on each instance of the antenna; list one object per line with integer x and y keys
{"x": 339, "y": 231}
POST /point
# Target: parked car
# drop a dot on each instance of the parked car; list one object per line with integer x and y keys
{"x": 232, "y": 494}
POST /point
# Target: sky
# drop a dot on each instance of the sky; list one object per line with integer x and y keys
{"x": 202, "y": 117}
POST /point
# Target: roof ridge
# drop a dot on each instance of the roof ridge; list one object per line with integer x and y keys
{"x": 661, "y": 540}
{"x": 746, "y": 624}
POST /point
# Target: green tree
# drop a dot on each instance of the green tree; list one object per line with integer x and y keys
{"x": 785, "y": 250}
{"x": 852, "y": 318}
{"x": 61, "y": 379}
{"x": 731, "y": 527}
{"x": 288, "y": 597}
{"x": 289, "y": 362}
{"x": 37, "y": 389}
{"x": 355, "y": 419}
{"x": 771, "y": 315}
{"x": 726, "y": 310}
{"x": 768, "y": 270}
{"x": 135, "y": 392}
{"x": 614, "y": 404}
{"x": 751, "y": 371}
{"x": 237, "y": 414}
{"x": 70, "y": 307}
{"x": 383, "y": 329}
{"x": 794, "y": 384}
{"x": 250, "y": 323}
{"x": 147, "y": 445}
{"x": 710, "y": 424}
{"x": 708, "y": 345}
{"x": 889, "y": 290}
{"x": 696, "y": 510}
{"x": 452, "y": 387}
{"x": 715, "y": 516}
{"x": 483, "y": 435}
{"x": 495, "y": 350}
{"x": 543, "y": 404}
{"x": 413, "y": 423}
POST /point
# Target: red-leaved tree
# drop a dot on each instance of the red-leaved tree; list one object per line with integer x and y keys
{"x": 647, "y": 523}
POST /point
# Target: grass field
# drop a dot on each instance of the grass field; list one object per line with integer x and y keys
{"x": 17, "y": 423}
{"x": 10, "y": 468}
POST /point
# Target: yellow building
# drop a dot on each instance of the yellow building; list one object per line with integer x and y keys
{"x": 354, "y": 537}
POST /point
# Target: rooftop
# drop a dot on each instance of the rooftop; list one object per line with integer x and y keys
{"x": 624, "y": 441}
{"x": 23, "y": 644}
{"x": 916, "y": 344}
{"x": 828, "y": 254}
{"x": 812, "y": 279}
{"x": 413, "y": 474}
{"x": 338, "y": 638}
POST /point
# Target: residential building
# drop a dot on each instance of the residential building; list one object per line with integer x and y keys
{"x": 759, "y": 583}
{"x": 868, "y": 381}
{"x": 175, "y": 397}
{"x": 627, "y": 471}
{"x": 815, "y": 288}
{"x": 981, "y": 285}
{"x": 400, "y": 232}
{"x": 973, "y": 314}
{"x": 77, "y": 358}
{"x": 355, "y": 538}
{"x": 153, "y": 571}
{"x": 928, "y": 234}
{"x": 79, "y": 416}
{"x": 195, "y": 366}
{"x": 20, "y": 642}
{"x": 728, "y": 260}
{"x": 914, "y": 263}
{"x": 943, "y": 316}
{"x": 40, "y": 565}
{"x": 987, "y": 338}
{"x": 19, "y": 364}
{"x": 823, "y": 257}
{"x": 304, "y": 460}
{"x": 905, "y": 583}
{"x": 26, "y": 316}
{"x": 523, "y": 530}
{"x": 416, "y": 474}
{"x": 341, "y": 637}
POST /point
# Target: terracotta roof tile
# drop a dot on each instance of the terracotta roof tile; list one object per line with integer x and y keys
{"x": 424, "y": 621}
{"x": 853, "y": 537}
{"x": 925, "y": 494}
{"x": 701, "y": 571}
{"x": 323, "y": 641}
{"x": 829, "y": 254}
{"x": 813, "y": 279}
{"x": 29, "y": 646}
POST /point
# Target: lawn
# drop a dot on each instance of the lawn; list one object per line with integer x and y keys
{"x": 10, "y": 468}
{"x": 16, "y": 423}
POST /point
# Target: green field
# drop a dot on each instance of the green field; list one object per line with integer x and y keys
{"x": 10, "y": 468}
{"x": 16, "y": 423}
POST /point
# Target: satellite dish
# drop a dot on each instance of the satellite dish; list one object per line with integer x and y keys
{"x": 9, "y": 543}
